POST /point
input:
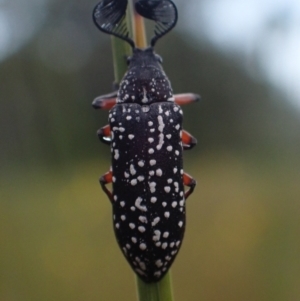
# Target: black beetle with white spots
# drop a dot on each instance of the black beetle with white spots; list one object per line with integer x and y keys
{"x": 147, "y": 140}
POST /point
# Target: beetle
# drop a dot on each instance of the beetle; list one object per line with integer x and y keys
{"x": 147, "y": 140}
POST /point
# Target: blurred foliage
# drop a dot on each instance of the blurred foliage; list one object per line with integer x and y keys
{"x": 56, "y": 236}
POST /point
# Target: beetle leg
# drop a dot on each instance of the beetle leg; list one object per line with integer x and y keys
{"x": 190, "y": 182}
{"x": 105, "y": 102}
{"x": 104, "y": 134}
{"x": 104, "y": 180}
{"x": 188, "y": 141}
{"x": 186, "y": 98}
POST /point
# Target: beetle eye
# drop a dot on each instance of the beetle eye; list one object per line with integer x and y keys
{"x": 128, "y": 60}
{"x": 159, "y": 58}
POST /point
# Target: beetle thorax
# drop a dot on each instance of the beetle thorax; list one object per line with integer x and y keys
{"x": 145, "y": 82}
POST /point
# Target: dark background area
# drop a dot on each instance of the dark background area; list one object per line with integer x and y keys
{"x": 57, "y": 243}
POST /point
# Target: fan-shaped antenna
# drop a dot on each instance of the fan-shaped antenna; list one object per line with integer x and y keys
{"x": 163, "y": 12}
{"x": 109, "y": 17}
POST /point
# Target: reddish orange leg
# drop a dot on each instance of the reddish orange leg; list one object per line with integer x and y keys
{"x": 190, "y": 182}
{"x": 186, "y": 98}
{"x": 104, "y": 134}
{"x": 105, "y": 102}
{"x": 188, "y": 140}
{"x": 104, "y": 180}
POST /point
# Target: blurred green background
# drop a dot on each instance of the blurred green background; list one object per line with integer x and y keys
{"x": 57, "y": 242}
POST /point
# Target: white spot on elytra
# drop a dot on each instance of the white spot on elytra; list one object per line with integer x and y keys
{"x": 123, "y": 217}
{"x": 126, "y": 174}
{"x": 117, "y": 155}
{"x": 170, "y": 181}
{"x": 138, "y": 205}
{"x": 152, "y": 162}
{"x": 141, "y": 163}
{"x": 164, "y": 204}
{"x": 177, "y": 153}
{"x": 155, "y": 221}
{"x": 150, "y": 140}
{"x": 141, "y": 178}
{"x": 152, "y": 187}
{"x": 158, "y": 263}
{"x": 167, "y": 189}
{"x": 150, "y": 123}
{"x": 164, "y": 245}
{"x": 159, "y": 172}
{"x": 169, "y": 136}
{"x": 169, "y": 148}
{"x": 151, "y": 151}
{"x": 132, "y": 170}
{"x": 132, "y": 225}
{"x": 153, "y": 199}
{"x": 156, "y": 236}
{"x": 180, "y": 224}
{"x": 177, "y": 126}
{"x": 167, "y": 214}
{"x": 175, "y": 169}
{"x": 142, "y": 229}
{"x": 151, "y": 172}
{"x": 143, "y": 219}
{"x": 133, "y": 182}
{"x": 181, "y": 203}
{"x": 166, "y": 234}
{"x": 174, "y": 204}
{"x": 133, "y": 239}
{"x": 128, "y": 117}
{"x": 130, "y": 136}
{"x": 122, "y": 203}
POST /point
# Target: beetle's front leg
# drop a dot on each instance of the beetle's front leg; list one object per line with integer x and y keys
{"x": 104, "y": 180}
{"x": 186, "y": 98}
{"x": 105, "y": 102}
{"x": 190, "y": 182}
{"x": 104, "y": 134}
{"x": 188, "y": 141}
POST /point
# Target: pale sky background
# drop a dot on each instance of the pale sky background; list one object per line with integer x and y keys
{"x": 263, "y": 34}
{"x": 263, "y": 31}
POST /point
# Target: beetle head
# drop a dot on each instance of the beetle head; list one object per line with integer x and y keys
{"x": 145, "y": 82}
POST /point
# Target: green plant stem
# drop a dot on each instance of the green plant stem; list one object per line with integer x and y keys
{"x": 120, "y": 51}
{"x": 160, "y": 291}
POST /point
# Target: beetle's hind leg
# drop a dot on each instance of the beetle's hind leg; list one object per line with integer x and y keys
{"x": 104, "y": 180}
{"x": 104, "y": 134}
{"x": 188, "y": 141}
{"x": 190, "y": 182}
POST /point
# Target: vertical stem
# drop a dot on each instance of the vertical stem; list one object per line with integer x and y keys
{"x": 120, "y": 50}
{"x": 138, "y": 28}
{"x": 165, "y": 288}
{"x": 147, "y": 291}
